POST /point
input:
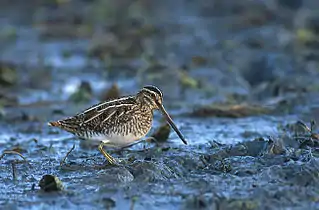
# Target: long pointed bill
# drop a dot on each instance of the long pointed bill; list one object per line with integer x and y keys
{"x": 170, "y": 121}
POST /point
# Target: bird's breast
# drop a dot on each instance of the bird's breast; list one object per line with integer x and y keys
{"x": 116, "y": 140}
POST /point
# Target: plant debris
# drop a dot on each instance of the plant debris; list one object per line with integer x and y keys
{"x": 199, "y": 61}
{"x": 8, "y": 74}
{"x": 67, "y": 154}
{"x": 14, "y": 171}
{"x": 112, "y": 93}
{"x": 188, "y": 81}
{"x": 162, "y": 133}
{"x": 304, "y": 135}
{"x": 83, "y": 94}
{"x": 109, "y": 203}
{"x": 50, "y": 183}
{"x": 231, "y": 111}
{"x": 7, "y": 100}
{"x": 6, "y": 152}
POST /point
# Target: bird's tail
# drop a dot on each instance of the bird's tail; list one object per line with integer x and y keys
{"x": 55, "y": 123}
{"x": 68, "y": 124}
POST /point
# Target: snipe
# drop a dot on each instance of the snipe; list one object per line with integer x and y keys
{"x": 120, "y": 122}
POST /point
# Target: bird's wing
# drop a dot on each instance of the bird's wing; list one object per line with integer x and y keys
{"x": 105, "y": 112}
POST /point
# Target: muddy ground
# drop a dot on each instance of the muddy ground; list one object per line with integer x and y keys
{"x": 240, "y": 79}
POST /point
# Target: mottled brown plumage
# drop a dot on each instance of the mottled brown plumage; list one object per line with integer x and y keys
{"x": 119, "y": 122}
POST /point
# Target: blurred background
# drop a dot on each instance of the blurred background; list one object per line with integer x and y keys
{"x": 231, "y": 71}
{"x": 195, "y": 51}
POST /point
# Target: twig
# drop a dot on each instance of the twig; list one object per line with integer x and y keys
{"x": 67, "y": 154}
{"x": 304, "y": 125}
{"x": 12, "y": 152}
{"x": 133, "y": 201}
{"x": 312, "y": 125}
{"x": 6, "y": 152}
{"x": 14, "y": 171}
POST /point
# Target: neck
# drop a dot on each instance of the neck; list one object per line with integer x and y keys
{"x": 146, "y": 102}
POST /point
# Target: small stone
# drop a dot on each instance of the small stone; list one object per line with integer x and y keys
{"x": 8, "y": 74}
{"x": 109, "y": 203}
{"x": 50, "y": 183}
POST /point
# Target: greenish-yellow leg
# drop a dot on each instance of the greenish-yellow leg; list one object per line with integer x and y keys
{"x": 109, "y": 158}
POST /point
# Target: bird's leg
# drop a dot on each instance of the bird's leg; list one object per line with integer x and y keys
{"x": 67, "y": 154}
{"x": 109, "y": 158}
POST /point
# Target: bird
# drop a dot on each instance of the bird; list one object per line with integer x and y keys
{"x": 118, "y": 122}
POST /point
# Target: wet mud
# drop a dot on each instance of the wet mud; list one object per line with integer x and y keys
{"x": 239, "y": 79}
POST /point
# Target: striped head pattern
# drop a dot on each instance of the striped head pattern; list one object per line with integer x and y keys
{"x": 152, "y": 96}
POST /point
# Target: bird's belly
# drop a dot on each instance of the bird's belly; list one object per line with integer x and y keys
{"x": 115, "y": 140}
